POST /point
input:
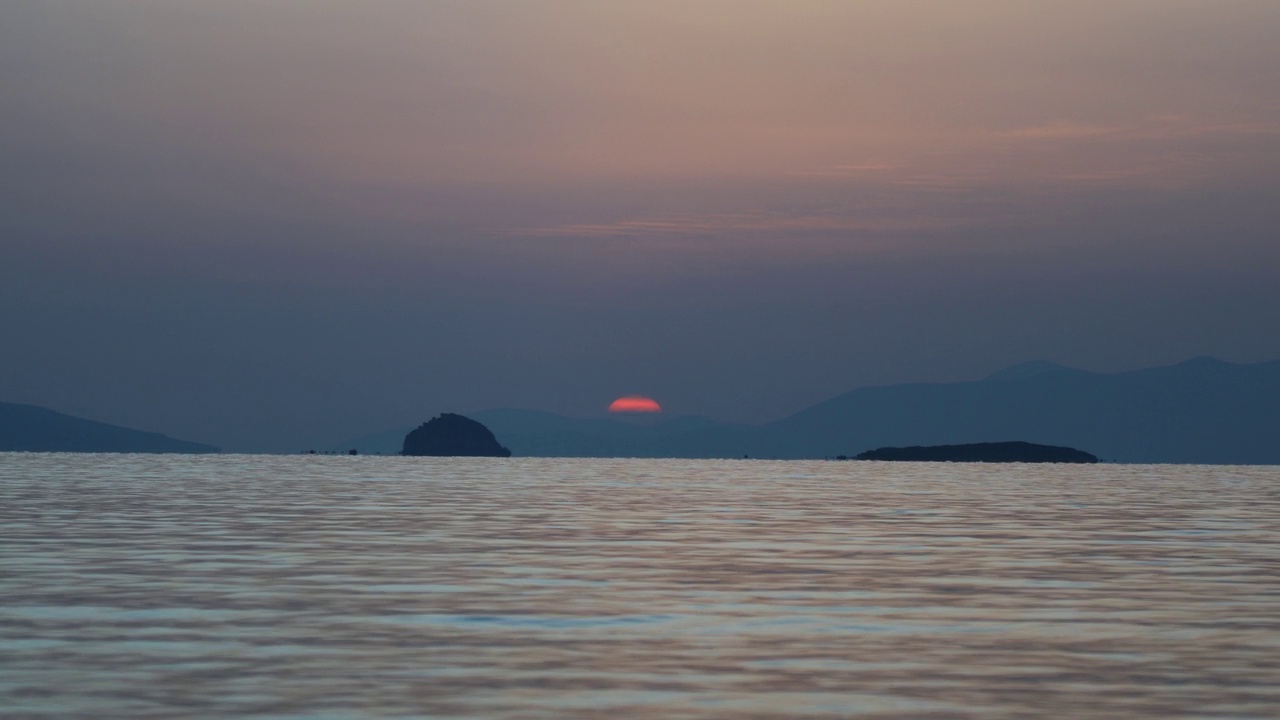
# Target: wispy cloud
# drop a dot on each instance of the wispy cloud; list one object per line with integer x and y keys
{"x": 1064, "y": 130}
{"x": 940, "y": 183}
{"x": 1167, "y": 151}
{"x": 1155, "y": 127}
{"x": 849, "y": 170}
{"x": 738, "y": 224}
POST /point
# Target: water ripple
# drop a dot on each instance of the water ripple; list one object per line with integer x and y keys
{"x": 312, "y": 587}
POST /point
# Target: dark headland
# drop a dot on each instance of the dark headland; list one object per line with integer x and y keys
{"x": 999, "y": 452}
{"x": 28, "y": 428}
{"x": 451, "y": 435}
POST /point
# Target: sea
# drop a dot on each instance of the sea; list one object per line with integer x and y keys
{"x": 177, "y": 586}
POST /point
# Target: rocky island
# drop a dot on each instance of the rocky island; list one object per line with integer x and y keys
{"x": 451, "y": 435}
{"x": 998, "y": 452}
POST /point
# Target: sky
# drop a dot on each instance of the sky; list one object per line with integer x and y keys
{"x": 274, "y": 226}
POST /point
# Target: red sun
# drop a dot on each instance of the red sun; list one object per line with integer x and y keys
{"x": 635, "y": 404}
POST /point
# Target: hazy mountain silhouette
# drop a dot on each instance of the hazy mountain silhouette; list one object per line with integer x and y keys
{"x": 1200, "y": 411}
{"x": 35, "y": 429}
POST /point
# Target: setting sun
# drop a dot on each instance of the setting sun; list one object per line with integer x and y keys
{"x": 635, "y": 404}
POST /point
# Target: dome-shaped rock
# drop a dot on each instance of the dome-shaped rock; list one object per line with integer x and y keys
{"x": 451, "y": 435}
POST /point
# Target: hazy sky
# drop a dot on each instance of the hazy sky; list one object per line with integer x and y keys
{"x": 275, "y": 225}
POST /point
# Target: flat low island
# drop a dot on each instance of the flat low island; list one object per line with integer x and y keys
{"x": 997, "y": 452}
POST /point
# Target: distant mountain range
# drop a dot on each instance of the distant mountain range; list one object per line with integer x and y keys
{"x": 1200, "y": 411}
{"x": 35, "y": 429}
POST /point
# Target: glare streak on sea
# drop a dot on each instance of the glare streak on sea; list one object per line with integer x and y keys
{"x": 174, "y": 586}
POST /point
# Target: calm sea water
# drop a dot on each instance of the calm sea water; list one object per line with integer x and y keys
{"x": 331, "y": 587}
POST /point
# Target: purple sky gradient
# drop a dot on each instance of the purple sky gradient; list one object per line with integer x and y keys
{"x": 272, "y": 226}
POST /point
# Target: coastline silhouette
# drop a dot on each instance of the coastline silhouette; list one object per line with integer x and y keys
{"x": 996, "y": 452}
{"x": 30, "y": 428}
